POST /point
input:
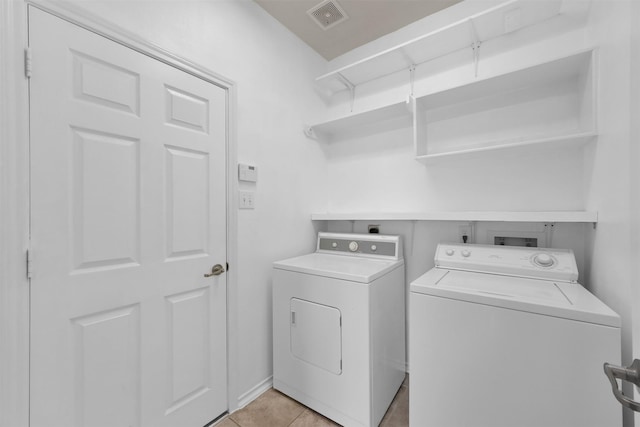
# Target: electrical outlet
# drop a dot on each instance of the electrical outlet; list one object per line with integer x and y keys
{"x": 246, "y": 200}
{"x": 464, "y": 234}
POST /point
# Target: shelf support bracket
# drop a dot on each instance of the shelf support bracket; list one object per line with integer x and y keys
{"x": 412, "y": 78}
{"x": 350, "y": 86}
{"x": 475, "y": 46}
{"x": 548, "y": 234}
{"x": 410, "y": 98}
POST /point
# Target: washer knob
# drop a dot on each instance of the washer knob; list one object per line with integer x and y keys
{"x": 374, "y": 248}
{"x": 465, "y": 253}
{"x": 334, "y": 245}
{"x": 543, "y": 260}
{"x": 353, "y": 246}
{"x": 450, "y": 252}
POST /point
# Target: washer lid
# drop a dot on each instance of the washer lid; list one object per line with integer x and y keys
{"x": 559, "y": 299}
{"x": 355, "y": 269}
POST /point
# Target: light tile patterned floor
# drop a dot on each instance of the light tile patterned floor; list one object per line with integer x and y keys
{"x": 274, "y": 409}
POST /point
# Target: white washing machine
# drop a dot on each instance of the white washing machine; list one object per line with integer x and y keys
{"x": 339, "y": 326}
{"x": 506, "y": 337}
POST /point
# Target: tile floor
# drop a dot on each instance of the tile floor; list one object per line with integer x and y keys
{"x": 274, "y": 409}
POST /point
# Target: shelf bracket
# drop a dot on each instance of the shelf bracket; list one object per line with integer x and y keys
{"x": 548, "y": 233}
{"x": 412, "y": 78}
{"x": 475, "y": 46}
{"x": 350, "y": 86}
{"x": 410, "y": 98}
{"x": 409, "y": 104}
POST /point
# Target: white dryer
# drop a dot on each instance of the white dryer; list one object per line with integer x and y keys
{"x": 505, "y": 336}
{"x": 339, "y": 326}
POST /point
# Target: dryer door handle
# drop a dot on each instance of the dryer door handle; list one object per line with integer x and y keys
{"x": 630, "y": 374}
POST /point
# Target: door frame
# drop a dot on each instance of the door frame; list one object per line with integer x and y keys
{"x": 14, "y": 192}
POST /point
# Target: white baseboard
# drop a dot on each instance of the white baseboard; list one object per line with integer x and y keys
{"x": 256, "y": 391}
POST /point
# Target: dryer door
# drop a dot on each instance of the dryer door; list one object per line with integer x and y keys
{"x": 316, "y": 335}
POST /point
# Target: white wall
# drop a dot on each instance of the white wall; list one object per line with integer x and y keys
{"x": 376, "y": 170}
{"x": 273, "y": 71}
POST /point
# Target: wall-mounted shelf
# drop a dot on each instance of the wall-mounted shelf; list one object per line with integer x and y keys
{"x": 469, "y": 33}
{"x": 549, "y": 144}
{"x": 500, "y": 216}
{"x": 327, "y": 130}
{"x": 540, "y": 106}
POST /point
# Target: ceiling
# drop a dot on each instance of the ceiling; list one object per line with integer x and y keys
{"x": 367, "y": 20}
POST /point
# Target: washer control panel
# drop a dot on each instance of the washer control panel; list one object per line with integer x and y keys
{"x": 371, "y": 245}
{"x": 551, "y": 264}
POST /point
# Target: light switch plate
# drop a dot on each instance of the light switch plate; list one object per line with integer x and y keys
{"x": 246, "y": 200}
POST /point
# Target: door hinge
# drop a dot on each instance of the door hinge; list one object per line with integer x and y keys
{"x": 29, "y": 263}
{"x": 27, "y": 62}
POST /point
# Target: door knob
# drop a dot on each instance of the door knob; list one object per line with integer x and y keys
{"x": 216, "y": 270}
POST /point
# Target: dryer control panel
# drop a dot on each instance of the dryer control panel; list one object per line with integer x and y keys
{"x": 368, "y": 245}
{"x": 538, "y": 263}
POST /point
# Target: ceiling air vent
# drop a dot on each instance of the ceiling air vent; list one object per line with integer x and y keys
{"x": 327, "y": 14}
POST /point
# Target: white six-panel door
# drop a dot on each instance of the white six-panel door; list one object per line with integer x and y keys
{"x": 128, "y": 213}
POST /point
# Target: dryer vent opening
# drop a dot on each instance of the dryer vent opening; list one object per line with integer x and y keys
{"x": 327, "y": 14}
